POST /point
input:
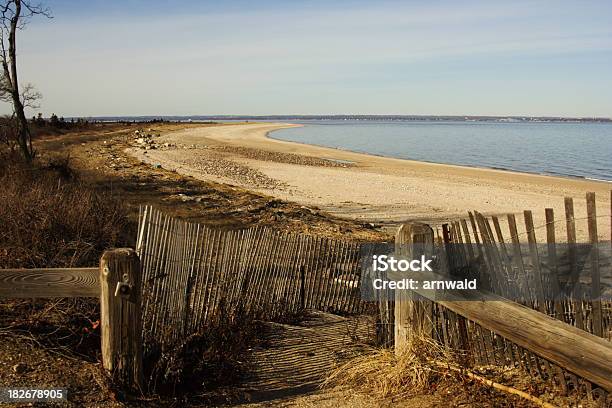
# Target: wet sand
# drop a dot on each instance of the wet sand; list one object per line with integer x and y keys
{"x": 369, "y": 188}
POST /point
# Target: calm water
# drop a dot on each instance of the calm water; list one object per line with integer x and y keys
{"x": 567, "y": 149}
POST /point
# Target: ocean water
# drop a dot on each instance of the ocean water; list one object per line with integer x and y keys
{"x": 560, "y": 149}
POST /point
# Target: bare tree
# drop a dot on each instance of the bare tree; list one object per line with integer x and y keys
{"x": 14, "y": 15}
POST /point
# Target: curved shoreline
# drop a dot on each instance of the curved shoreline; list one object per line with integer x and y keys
{"x": 365, "y": 156}
{"x": 503, "y": 169}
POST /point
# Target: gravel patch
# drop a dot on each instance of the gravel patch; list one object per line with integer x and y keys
{"x": 278, "y": 157}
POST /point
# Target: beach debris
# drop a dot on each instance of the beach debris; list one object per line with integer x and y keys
{"x": 186, "y": 198}
{"x": 310, "y": 210}
{"x": 144, "y": 140}
{"x": 274, "y": 203}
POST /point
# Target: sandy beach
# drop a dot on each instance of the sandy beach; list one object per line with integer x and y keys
{"x": 365, "y": 187}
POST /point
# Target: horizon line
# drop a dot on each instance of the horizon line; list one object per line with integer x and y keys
{"x": 348, "y": 115}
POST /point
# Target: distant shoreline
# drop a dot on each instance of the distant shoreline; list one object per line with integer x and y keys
{"x": 281, "y": 118}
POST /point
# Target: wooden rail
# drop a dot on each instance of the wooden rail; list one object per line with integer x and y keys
{"x": 580, "y": 352}
{"x": 49, "y": 282}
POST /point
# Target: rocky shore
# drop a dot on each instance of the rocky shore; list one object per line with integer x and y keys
{"x": 205, "y": 159}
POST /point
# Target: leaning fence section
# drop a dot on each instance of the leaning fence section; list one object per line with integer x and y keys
{"x": 513, "y": 266}
{"x": 537, "y": 275}
{"x": 193, "y": 274}
{"x": 504, "y": 253}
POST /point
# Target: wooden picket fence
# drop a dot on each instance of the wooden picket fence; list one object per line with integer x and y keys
{"x": 182, "y": 276}
{"x": 193, "y": 274}
{"x": 533, "y": 273}
{"x": 564, "y": 340}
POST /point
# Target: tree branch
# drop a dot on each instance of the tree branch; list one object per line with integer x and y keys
{"x": 29, "y": 96}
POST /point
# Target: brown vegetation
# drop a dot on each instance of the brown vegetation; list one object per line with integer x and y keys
{"x": 426, "y": 367}
{"x": 51, "y": 219}
{"x": 384, "y": 374}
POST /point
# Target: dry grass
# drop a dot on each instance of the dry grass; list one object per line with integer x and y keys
{"x": 51, "y": 219}
{"x": 425, "y": 367}
{"x": 384, "y": 374}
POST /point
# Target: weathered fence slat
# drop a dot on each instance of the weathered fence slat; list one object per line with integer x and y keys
{"x": 553, "y": 275}
{"x": 595, "y": 278}
{"x": 571, "y": 247}
{"x": 535, "y": 261}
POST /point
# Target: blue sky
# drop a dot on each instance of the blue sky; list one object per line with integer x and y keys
{"x": 314, "y": 57}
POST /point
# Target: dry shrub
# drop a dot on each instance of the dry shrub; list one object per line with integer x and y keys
{"x": 49, "y": 218}
{"x": 384, "y": 374}
{"x": 213, "y": 358}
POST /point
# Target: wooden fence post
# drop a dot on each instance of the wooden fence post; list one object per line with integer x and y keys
{"x": 120, "y": 316}
{"x": 413, "y": 313}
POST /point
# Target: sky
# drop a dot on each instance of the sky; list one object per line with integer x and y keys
{"x": 111, "y": 58}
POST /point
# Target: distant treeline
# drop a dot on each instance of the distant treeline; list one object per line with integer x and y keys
{"x": 59, "y": 122}
{"x": 55, "y": 122}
